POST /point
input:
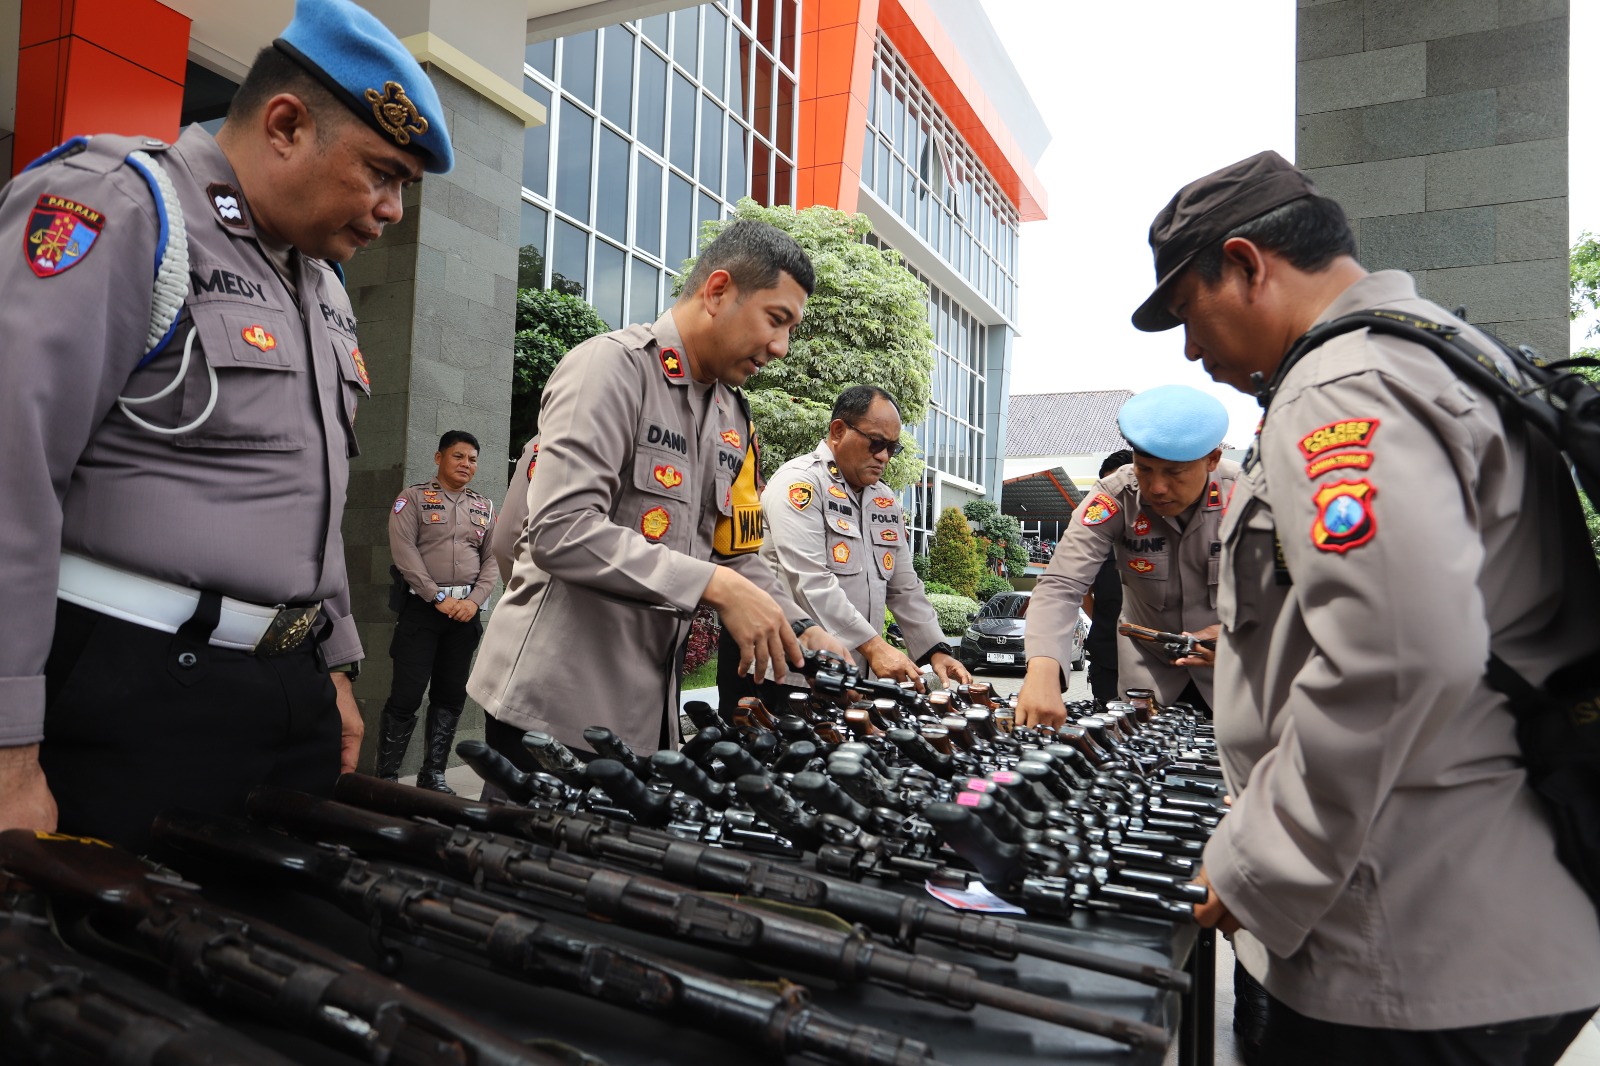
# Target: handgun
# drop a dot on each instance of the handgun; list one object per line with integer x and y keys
{"x": 1176, "y": 645}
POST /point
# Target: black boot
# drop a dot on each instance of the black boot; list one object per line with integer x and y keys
{"x": 394, "y": 734}
{"x": 441, "y": 731}
{"x": 1250, "y": 1004}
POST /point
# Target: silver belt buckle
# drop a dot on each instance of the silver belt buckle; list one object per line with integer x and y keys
{"x": 288, "y": 630}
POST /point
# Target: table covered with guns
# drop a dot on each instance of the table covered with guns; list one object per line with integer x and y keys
{"x": 773, "y": 891}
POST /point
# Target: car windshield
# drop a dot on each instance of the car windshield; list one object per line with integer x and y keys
{"x": 1014, "y": 605}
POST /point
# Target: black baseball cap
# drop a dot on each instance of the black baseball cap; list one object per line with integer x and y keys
{"x": 1204, "y": 211}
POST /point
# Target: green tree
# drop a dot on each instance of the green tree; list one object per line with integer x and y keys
{"x": 1004, "y": 534}
{"x": 955, "y": 558}
{"x": 865, "y": 324}
{"x": 550, "y": 323}
{"x": 1584, "y": 299}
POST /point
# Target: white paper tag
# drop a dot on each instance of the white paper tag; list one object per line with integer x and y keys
{"x": 975, "y": 898}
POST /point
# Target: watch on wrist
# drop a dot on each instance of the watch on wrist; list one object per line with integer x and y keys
{"x": 353, "y": 669}
{"x": 800, "y": 626}
{"x": 441, "y": 597}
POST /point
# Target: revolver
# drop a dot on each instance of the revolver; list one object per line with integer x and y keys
{"x": 1175, "y": 645}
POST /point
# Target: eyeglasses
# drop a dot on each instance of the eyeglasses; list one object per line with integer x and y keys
{"x": 878, "y": 445}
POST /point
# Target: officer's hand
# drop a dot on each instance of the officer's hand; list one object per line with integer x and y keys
{"x": 1213, "y": 913}
{"x": 25, "y": 799}
{"x": 755, "y": 622}
{"x": 1039, "y": 702}
{"x": 948, "y": 668}
{"x": 818, "y": 639}
{"x": 462, "y": 610}
{"x": 889, "y": 663}
{"x": 351, "y": 727}
{"x": 1202, "y": 656}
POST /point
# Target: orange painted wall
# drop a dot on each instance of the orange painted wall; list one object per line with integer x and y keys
{"x": 97, "y": 66}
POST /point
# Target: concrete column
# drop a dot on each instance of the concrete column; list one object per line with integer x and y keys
{"x": 997, "y": 406}
{"x": 1442, "y": 129}
{"x": 436, "y": 303}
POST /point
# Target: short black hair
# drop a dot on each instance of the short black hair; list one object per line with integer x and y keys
{"x": 458, "y": 436}
{"x": 273, "y": 72}
{"x": 857, "y": 400}
{"x": 1116, "y": 461}
{"x": 753, "y": 253}
{"x": 1310, "y": 233}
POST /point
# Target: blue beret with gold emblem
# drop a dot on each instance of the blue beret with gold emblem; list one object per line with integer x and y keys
{"x": 1174, "y": 422}
{"x": 361, "y": 62}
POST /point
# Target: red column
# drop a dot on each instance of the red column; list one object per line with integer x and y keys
{"x": 97, "y": 66}
{"x": 835, "y": 83}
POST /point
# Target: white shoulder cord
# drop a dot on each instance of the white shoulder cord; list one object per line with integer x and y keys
{"x": 171, "y": 286}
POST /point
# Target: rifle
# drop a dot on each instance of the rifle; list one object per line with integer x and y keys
{"x": 224, "y": 958}
{"x": 513, "y": 938}
{"x": 57, "y": 1006}
{"x": 903, "y": 918}
{"x": 1175, "y": 645}
{"x": 507, "y": 865}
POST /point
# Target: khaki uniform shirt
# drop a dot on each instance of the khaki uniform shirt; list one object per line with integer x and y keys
{"x": 248, "y": 504}
{"x": 513, "y": 521}
{"x": 622, "y": 510}
{"x": 1384, "y": 852}
{"x": 440, "y": 539}
{"x": 845, "y": 554}
{"x": 1169, "y": 578}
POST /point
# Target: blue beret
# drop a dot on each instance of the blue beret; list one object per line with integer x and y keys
{"x": 361, "y": 62}
{"x": 1174, "y": 422}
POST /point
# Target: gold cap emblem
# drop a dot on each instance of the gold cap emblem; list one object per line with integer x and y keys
{"x": 396, "y": 113}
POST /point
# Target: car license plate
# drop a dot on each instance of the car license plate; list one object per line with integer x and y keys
{"x": 1002, "y": 657}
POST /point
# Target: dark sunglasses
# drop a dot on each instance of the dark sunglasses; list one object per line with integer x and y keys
{"x": 878, "y": 445}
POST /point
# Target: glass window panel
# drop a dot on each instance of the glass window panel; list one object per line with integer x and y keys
{"x": 541, "y": 57}
{"x": 896, "y": 188}
{"x": 784, "y": 138}
{"x": 783, "y": 183}
{"x": 791, "y": 30}
{"x": 686, "y": 39}
{"x": 682, "y": 133}
{"x": 761, "y": 173}
{"x": 714, "y": 46}
{"x": 737, "y": 184}
{"x": 642, "y": 302}
{"x": 570, "y": 263}
{"x": 652, "y": 101}
{"x": 655, "y": 28}
{"x": 866, "y": 160}
{"x": 740, "y": 76}
{"x": 574, "y": 161}
{"x": 710, "y": 211}
{"x": 536, "y": 143}
{"x": 530, "y": 256}
{"x": 883, "y": 169}
{"x": 611, "y": 186}
{"x": 761, "y": 111}
{"x": 577, "y": 65}
{"x": 710, "y": 145}
{"x": 616, "y": 98}
{"x": 680, "y": 221}
{"x": 767, "y": 25}
{"x": 609, "y": 264}
{"x": 647, "y": 206}
{"x": 744, "y": 11}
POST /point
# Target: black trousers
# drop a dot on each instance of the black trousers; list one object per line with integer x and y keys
{"x": 131, "y": 731}
{"x": 1292, "y": 1039}
{"x": 1103, "y": 672}
{"x": 432, "y": 654}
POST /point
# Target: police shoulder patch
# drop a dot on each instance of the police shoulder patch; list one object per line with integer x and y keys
{"x": 1344, "y": 515}
{"x": 59, "y": 235}
{"x": 1338, "y": 461}
{"x": 800, "y": 495}
{"x": 1345, "y": 433}
{"x": 1101, "y": 508}
{"x": 399, "y": 505}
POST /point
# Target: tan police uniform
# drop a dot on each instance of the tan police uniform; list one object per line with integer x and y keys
{"x": 440, "y": 541}
{"x": 1383, "y": 852}
{"x": 637, "y": 464}
{"x": 513, "y": 520}
{"x": 243, "y": 501}
{"x": 1169, "y": 577}
{"x": 845, "y": 554}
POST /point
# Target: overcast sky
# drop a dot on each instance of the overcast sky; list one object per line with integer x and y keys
{"x": 1140, "y": 99}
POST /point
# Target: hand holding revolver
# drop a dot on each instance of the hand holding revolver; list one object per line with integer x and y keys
{"x": 1184, "y": 649}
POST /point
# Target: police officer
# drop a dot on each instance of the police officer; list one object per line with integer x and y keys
{"x": 1158, "y": 517}
{"x": 644, "y": 504}
{"x": 439, "y": 534}
{"x": 177, "y": 441}
{"x": 1388, "y": 871}
{"x": 837, "y": 536}
{"x": 1103, "y": 604}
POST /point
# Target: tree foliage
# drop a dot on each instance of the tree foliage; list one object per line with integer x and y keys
{"x": 550, "y": 323}
{"x": 1584, "y": 299}
{"x": 956, "y": 560}
{"x": 1004, "y": 534}
{"x": 866, "y": 323}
